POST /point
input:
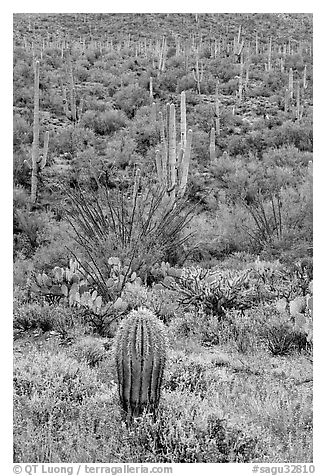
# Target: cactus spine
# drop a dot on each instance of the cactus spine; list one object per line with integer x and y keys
{"x": 140, "y": 355}
{"x": 38, "y": 163}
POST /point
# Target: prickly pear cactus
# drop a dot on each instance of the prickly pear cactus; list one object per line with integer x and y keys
{"x": 71, "y": 287}
{"x": 140, "y": 355}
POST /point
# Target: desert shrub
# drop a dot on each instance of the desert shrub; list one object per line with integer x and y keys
{"x": 200, "y": 147}
{"x": 121, "y": 150}
{"x": 145, "y": 130}
{"x": 288, "y": 155}
{"x": 90, "y": 350}
{"x": 23, "y": 270}
{"x": 70, "y": 140}
{"x": 55, "y": 252}
{"x": 28, "y": 230}
{"x": 130, "y": 98}
{"x": 202, "y": 116}
{"x": 279, "y": 333}
{"x": 159, "y": 300}
{"x": 225, "y": 71}
{"x": 21, "y": 169}
{"x": 23, "y": 133}
{"x": 186, "y": 83}
{"x": 237, "y": 330}
{"x": 33, "y": 316}
{"x": 185, "y": 435}
{"x": 229, "y": 87}
{"x": 103, "y": 123}
{"x": 168, "y": 81}
{"x": 298, "y": 134}
{"x": 189, "y": 376}
{"x": 23, "y": 96}
{"x": 274, "y": 80}
{"x": 81, "y": 73}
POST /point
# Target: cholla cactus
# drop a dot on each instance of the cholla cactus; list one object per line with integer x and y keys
{"x": 140, "y": 355}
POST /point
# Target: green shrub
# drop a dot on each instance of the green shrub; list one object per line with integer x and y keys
{"x": 90, "y": 350}
{"x": 280, "y": 335}
{"x": 33, "y": 316}
{"x": 103, "y": 123}
{"x": 183, "y": 434}
{"x": 131, "y": 98}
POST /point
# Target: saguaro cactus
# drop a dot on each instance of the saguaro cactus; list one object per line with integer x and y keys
{"x": 305, "y": 84}
{"x": 172, "y": 162}
{"x": 212, "y": 152}
{"x": 270, "y": 54}
{"x": 162, "y": 56}
{"x": 217, "y": 110}
{"x": 75, "y": 113}
{"x": 38, "y": 163}
{"x": 140, "y": 356}
{"x": 291, "y": 83}
{"x": 240, "y": 90}
{"x": 151, "y": 88}
{"x": 198, "y": 74}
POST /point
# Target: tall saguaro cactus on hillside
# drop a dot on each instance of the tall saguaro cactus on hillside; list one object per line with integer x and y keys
{"x": 172, "y": 161}
{"x": 38, "y": 163}
{"x": 140, "y": 355}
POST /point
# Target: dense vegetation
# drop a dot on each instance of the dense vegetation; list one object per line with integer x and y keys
{"x": 227, "y": 265}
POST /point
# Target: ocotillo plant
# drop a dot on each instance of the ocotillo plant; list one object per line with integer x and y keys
{"x": 172, "y": 163}
{"x": 38, "y": 163}
{"x": 140, "y": 356}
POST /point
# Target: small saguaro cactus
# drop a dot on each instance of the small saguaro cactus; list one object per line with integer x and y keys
{"x": 38, "y": 163}
{"x": 217, "y": 110}
{"x": 162, "y": 56}
{"x": 212, "y": 152}
{"x": 198, "y": 74}
{"x": 291, "y": 83}
{"x": 140, "y": 356}
{"x": 75, "y": 112}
